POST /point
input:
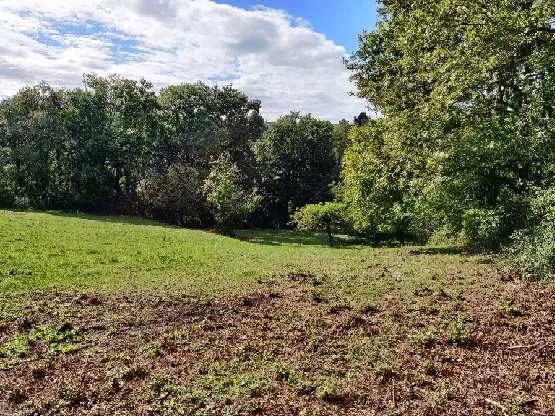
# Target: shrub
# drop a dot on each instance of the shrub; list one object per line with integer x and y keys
{"x": 480, "y": 229}
{"x": 532, "y": 249}
{"x": 227, "y": 197}
{"x": 173, "y": 195}
{"x": 533, "y": 252}
{"x": 329, "y": 217}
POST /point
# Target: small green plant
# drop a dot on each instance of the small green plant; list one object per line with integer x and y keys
{"x": 517, "y": 406}
{"x": 426, "y": 340}
{"x": 460, "y": 332}
{"x": 63, "y": 340}
{"x": 510, "y": 309}
{"x": 88, "y": 355}
{"x": 439, "y": 397}
{"x": 430, "y": 368}
{"x": 295, "y": 379}
{"x": 112, "y": 330}
{"x": 9, "y": 364}
{"x": 317, "y": 295}
{"x": 17, "y": 346}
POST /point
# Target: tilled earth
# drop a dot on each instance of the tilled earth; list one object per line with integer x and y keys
{"x": 290, "y": 346}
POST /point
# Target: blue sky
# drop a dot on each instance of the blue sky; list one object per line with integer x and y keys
{"x": 340, "y": 21}
{"x": 288, "y": 54}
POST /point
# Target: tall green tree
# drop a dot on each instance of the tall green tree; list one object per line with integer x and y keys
{"x": 297, "y": 164}
{"x": 230, "y": 201}
{"x": 465, "y": 88}
{"x": 131, "y": 124}
{"x": 200, "y": 122}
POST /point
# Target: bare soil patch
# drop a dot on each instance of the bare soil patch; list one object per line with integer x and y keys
{"x": 286, "y": 347}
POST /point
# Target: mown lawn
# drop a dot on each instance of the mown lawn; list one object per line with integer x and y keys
{"x": 106, "y": 316}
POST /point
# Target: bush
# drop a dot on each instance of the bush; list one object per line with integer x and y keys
{"x": 7, "y": 187}
{"x": 327, "y": 217}
{"x": 481, "y": 229}
{"x": 532, "y": 249}
{"x": 224, "y": 191}
{"x": 174, "y": 196}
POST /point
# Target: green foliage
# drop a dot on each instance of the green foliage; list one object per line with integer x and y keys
{"x": 296, "y": 162}
{"x": 466, "y": 138}
{"x": 460, "y": 331}
{"x": 175, "y": 195}
{"x": 326, "y": 217}
{"x": 532, "y": 248}
{"x": 63, "y": 340}
{"x": 372, "y": 182}
{"x": 115, "y": 146}
{"x": 230, "y": 203}
{"x": 426, "y": 340}
{"x": 341, "y": 138}
{"x": 480, "y": 228}
{"x": 533, "y": 251}
{"x": 16, "y": 346}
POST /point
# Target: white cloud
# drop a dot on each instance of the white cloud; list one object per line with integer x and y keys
{"x": 266, "y": 53}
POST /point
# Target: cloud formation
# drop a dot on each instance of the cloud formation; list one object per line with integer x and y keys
{"x": 266, "y": 53}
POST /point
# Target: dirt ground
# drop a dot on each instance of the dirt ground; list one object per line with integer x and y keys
{"x": 289, "y": 347}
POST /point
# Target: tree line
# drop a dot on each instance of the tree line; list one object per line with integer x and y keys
{"x": 465, "y": 148}
{"x": 463, "y": 151}
{"x": 191, "y": 155}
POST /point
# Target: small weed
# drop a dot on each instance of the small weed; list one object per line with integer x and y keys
{"x": 294, "y": 379}
{"x": 426, "y": 340}
{"x": 161, "y": 385}
{"x": 166, "y": 342}
{"x": 517, "y": 406}
{"x": 88, "y": 355}
{"x": 222, "y": 382}
{"x": 441, "y": 396}
{"x": 112, "y": 330}
{"x": 63, "y": 340}
{"x": 290, "y": 377}
{"x": 460, "y": 333}
{"x": 17, "y": 346}
{"x": 510, "y": 309}
{"x": 9, "y": 364}
{"x": 317, "y": 295}
{"x": 430, "y": 369}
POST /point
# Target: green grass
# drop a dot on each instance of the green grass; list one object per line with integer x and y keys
{"x": 45, "y": 250}
{"x": 139, "y": 317}
{"x": 40, "y": 250}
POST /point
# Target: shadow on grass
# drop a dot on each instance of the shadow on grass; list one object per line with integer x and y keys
{"x": 107, "y": 218}
{"x": 437, "y": 250}
{"x": 295, "y": 238}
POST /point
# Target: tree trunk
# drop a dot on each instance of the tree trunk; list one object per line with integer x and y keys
{"x": 328, "y": 230}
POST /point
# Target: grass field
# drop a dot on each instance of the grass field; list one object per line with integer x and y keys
{"x": 120, "y": 316}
